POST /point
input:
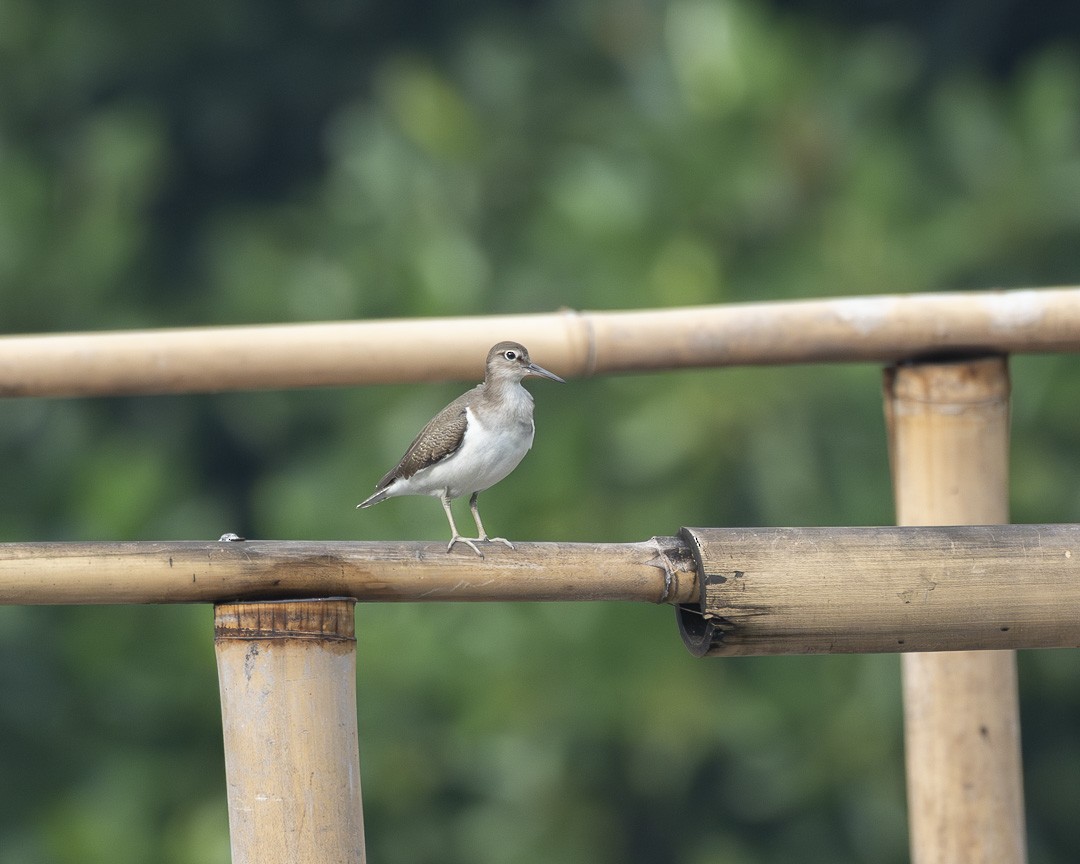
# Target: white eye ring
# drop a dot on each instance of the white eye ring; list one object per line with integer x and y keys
{"x": 511, "y": 355}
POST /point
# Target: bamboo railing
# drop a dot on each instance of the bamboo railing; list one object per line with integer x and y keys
{"x": 739, "y": 591}
{"x": 657, "y": 571}
{"x": 285, "y": 646}
{"x": 572, "y": 343}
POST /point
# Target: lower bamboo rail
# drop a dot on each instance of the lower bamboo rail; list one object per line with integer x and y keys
{"x": 656, "y": 571}
{"x": 864, "y": 590}
{"x": 739, "y": 590}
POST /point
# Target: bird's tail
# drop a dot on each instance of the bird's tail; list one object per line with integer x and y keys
{"x": 381, "y": 495}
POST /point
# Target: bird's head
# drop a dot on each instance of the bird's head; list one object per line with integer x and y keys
{"x": 510, "y": 360}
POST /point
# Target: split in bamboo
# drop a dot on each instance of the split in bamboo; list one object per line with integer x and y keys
{"x": 572, "y": 343}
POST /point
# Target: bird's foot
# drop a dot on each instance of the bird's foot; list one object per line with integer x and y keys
{"x": 471, "y": 542}
{"x": 487, "y": 539}
{"x": 457, "y": 538}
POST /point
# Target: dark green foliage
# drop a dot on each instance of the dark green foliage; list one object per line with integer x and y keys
{"x": 231, "y": 162}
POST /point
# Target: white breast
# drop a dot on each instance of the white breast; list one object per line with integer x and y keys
{"x": 488, "y": 453}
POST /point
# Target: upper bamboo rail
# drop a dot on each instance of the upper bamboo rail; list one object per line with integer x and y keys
{"x": 741, "y": 590}
{"x": 572, "y": 343}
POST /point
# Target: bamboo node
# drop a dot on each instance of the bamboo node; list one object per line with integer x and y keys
{"x": 328, "y": 619}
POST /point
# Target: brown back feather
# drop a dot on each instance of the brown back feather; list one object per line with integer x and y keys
{"x": 437, "y": 440}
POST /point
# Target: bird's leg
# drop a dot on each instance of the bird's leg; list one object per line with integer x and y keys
{"x": 454, "y": 536}
{"x": 483, "y": 538}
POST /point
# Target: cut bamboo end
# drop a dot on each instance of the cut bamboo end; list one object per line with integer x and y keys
{"x": 287, "y": 675}
{"x": 327, "y": 620}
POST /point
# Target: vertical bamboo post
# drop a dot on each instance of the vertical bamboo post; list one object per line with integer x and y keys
{"x": 948, "y": 447}
{"x": 287, "y": 674}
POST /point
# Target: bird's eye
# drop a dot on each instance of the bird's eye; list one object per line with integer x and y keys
{"x": 511, "y": 355}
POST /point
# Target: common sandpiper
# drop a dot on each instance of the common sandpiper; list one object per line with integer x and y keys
{"x": 473, "y": 443}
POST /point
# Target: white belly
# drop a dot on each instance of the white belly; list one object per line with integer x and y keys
{"x": 484, "y": 458}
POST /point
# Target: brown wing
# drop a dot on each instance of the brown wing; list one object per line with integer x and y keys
{"x": 441, "y": 437}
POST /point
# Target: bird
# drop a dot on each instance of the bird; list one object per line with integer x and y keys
{"x": 473, "y": 443}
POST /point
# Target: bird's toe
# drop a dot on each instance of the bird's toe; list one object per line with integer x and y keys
{"x": 467, "y": 542}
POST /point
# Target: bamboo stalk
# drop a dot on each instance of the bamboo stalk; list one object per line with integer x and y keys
{"x": 766, "y": 590}
{"x": 879, "y": 328}
{"x": 949, "y": 431}
{"x": 287, "y": 675}
{"x": 865, "y": 590}
{"x": 656, "y": 571}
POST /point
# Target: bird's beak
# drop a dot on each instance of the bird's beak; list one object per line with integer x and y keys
{"x": 541, "y": 372}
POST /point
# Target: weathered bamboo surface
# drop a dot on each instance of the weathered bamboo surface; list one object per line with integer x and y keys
{"x": 841, "y": 590}
{"x": 287, "y": 676}
{"x": 948, "y": 427}
{"x": 571, "y": 343}
{"x": 766, "y": 590}
{"x": 656, "y": 571}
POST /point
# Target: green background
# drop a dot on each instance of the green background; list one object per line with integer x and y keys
{"x": 232, "y": 162}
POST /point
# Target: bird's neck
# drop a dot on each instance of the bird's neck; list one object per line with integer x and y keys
{"x": 506, "y": 397}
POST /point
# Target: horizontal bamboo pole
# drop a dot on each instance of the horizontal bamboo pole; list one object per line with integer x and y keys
{"x": 864, "y": 590}
{"x": 657, "y": 571}
{"x": 741, "y": 590}
{"x": 572, "y": 343}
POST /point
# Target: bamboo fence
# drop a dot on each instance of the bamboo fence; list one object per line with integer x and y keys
{"x": 283, "y": 610}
